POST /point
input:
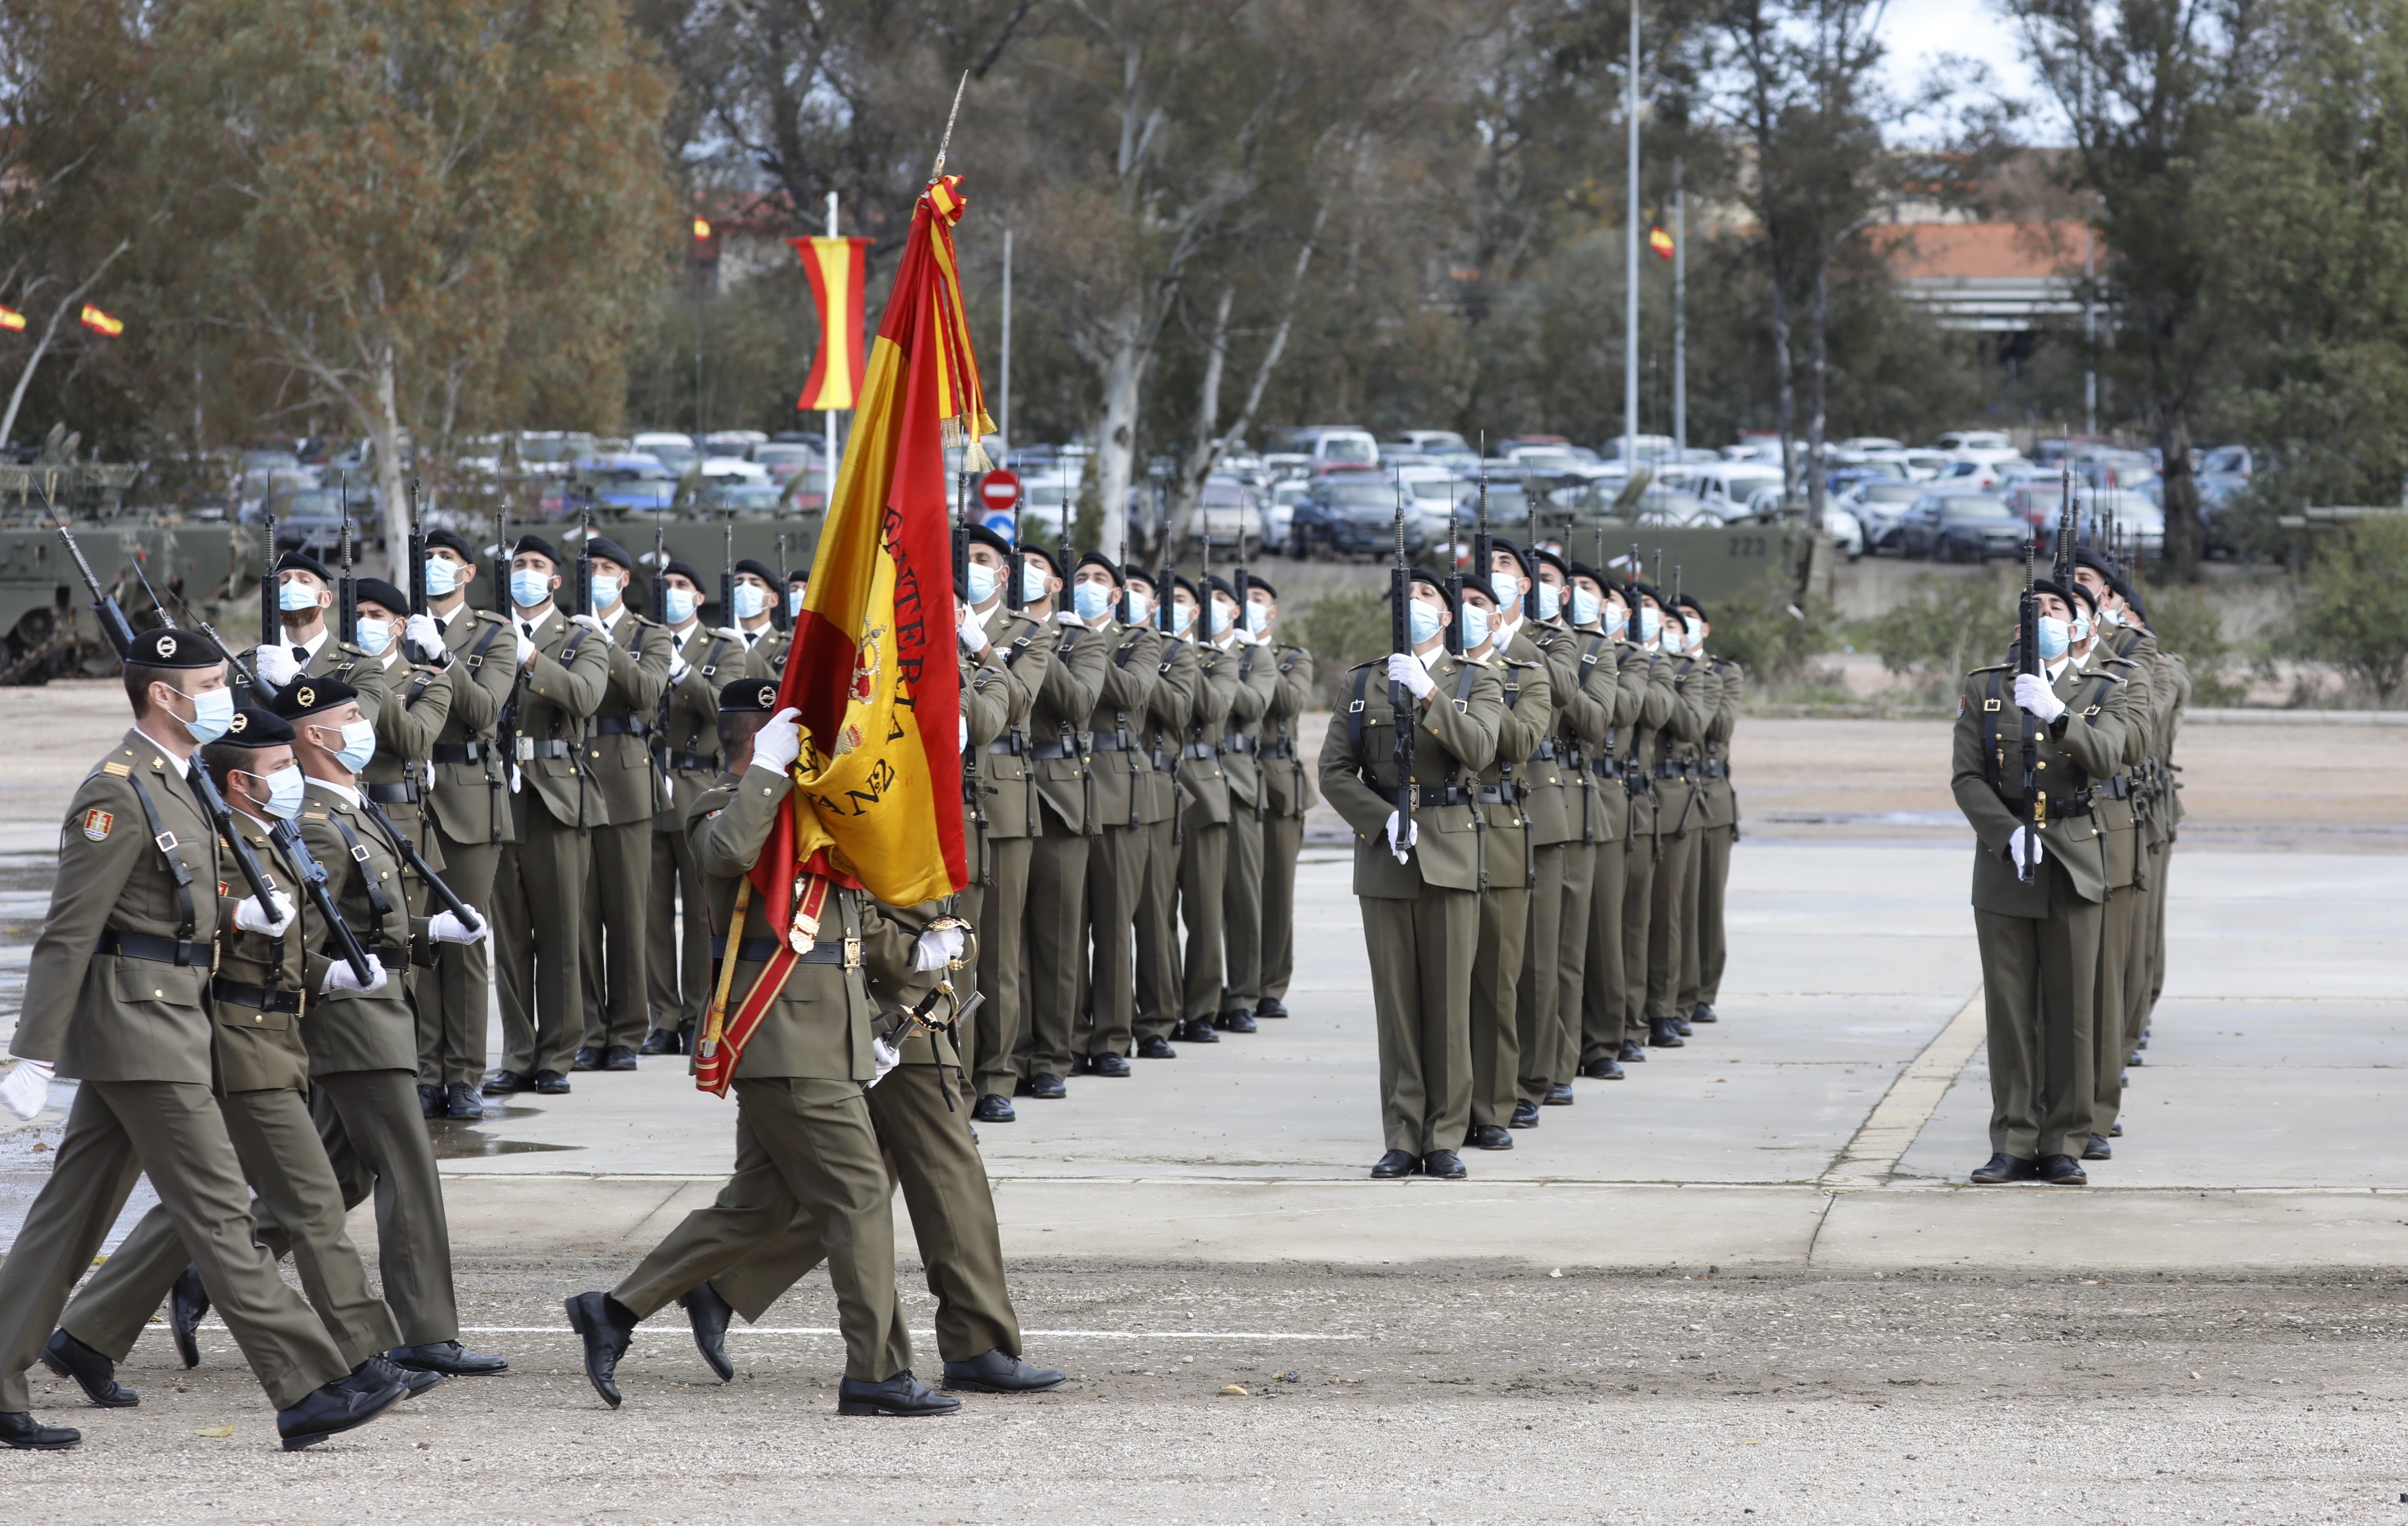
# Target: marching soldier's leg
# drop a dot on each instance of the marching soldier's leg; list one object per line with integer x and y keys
{"x": 1536, "y": 1027}
{"x": 754, "y": 1205}
{"x": 819, "y": 1134}
{"x": 1641, "y": 862}
{"x": 286, "y": 1161}
{"x": 2134, "y": 1004}
{"x": 1241, "y": 914}
{"x": 1115, "y": 873}
{"x": 1282, "y": 841}
{"x": 2107, "y": 1049}
{"x": 611, "y": 966}
{"x": 1495, "y": 1037}
{"x": 2069, "y": 969}
{"x": 109, "y": 1311}
{"x": 1692, "y": 960}
{"x": 1602, "y": 971}
{"x": 677, "y": 972}
{"x": 378, "y": 1145}
{"x": 1056, "y": 932}
{"x": 1000, "y": 959}
{"x": 553, "y": 870}
{"x": 457, "y": 982}
{"x": 2010, "y": 983}
{"x": 1713, "y": 879}
{"x": 1561, "y": 1056}
{"x": 1160, "y": 982}
{"x": 1446, "y": 927}
{"x": 1390, "y": 930}
{"x": 514, "y": 959}
{"x": 2158, "y": 868}
{"x": 953, "y": 1208}
{"x": 1203, "y": 870}
{"x": 91, "y": 1174}
{"x": 1664, "y": 936}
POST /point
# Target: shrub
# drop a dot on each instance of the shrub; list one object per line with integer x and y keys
{"x": 1946, "y": 628}
{"x": 2353, "y": 609}
{"x": 1340, "y": 630}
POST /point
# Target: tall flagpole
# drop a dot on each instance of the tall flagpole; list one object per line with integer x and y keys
{"x": 1631, "y": 271}
{"x": 1679, "y": 312}
{"x": 827, "y": 497}
{"x": 1003, "y": 419}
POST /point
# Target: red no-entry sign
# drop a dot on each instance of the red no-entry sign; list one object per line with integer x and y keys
{"x": 999, "y": 489}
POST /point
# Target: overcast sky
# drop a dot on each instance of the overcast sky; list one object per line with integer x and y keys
{"x": 1921, "y": 32}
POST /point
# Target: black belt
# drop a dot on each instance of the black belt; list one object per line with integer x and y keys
{"x": 1165, "y": 762}
{"x": 1204, "y": 750}
{"x": 461, "y": 752}
{"x": 2117, "y": 789}
{"x": 620, "y": 726}
{"x": 1052, "y": 751}
{"x": 1546, "y": 750}
{"x": 404, "y": 793}
{"x": 2073, "y": 805}
{"x": 1605, "y": 768}
{"x": 1441, "y": 795}
{"x": 759, "y": 950}
{"x": 1238, "y": 742}
{"x": 391, "y": 955}
{"x": 1278, "y": 750}
{"x": 1115, "y": 744}
{"x": 257, "y": 997}
{"x": 706, "y": 762}
{"x": 143, "y": 946}
{"x": 1671, "y": 771}
{"x": 530, "y": 749}
{"x": 1638, "y": 783}
{"x": 1507, "y": 793}
{"x": 1718, "y": 768}
{"x": 1006, "y": 744}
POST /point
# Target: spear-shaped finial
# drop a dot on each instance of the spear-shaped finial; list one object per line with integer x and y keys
{"x": 947, "y": 141}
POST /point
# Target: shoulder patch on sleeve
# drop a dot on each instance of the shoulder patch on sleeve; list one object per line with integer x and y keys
{"x": 96, "y": 824}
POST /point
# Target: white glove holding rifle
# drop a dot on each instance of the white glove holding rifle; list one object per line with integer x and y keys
{"x": 1403, "y": 832}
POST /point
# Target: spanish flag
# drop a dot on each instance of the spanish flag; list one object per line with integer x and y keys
{"x": 101, "y": 322}
{"x": 835, "y": 268}
{"x": 876, "y": 804}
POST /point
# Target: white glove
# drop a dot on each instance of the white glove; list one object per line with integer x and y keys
{"x": 961, "y": 733}
{"x": 2015, "y": 846}
{"x": 1406, "y": 668}
{"x": 1068, "y": 617}
{"x": 275, "y": 664}
{"x": 527, "y": 649}
{"x": 776, "y": 744}
{"x": 678, "y": 667}
{"x": 971, "y": 628}
{"x": 27, "y": 1089}
{"x": 1403, "y": 832}
{"x": 445, "y": 928}
{"x": 252, "y": 917}
{"x": 421, "y": 631}
{"x": 591, "y": 622}
{"x": 2032, "y": 693}
{"x": 730, "y": 633}
{"x": 339, "y": 978}
{"x": 938, "y": 947}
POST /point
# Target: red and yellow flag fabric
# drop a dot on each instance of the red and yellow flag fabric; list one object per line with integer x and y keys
{"x": 878, "y": 790}
{"x": 101, "y": 322}
{"x": 835, "y": 268}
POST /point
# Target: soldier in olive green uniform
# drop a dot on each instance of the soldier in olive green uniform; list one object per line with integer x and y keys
{"x": 470, "y": 806}
{"x": 1417, "y": 863}
{"x": 539, "y": 888}
{"x": 803, "y": 1133}
{"x": 753, "y": 620}
{"x": 933, "y": 1157}
{"x": 2124, "y": 687}
{"x": 1679, "y": 811}
{"x": 1510, "y": 868}
{"x": 1704, "y": 949}
{"x": 1117, "y": 765}
{"x": 305, "y": 593}
{"x": 2038, "y": 937}
{"x": 1241, "y": 894}
{"x": 1225, "y": 703}
{"x": 1022, "y": 647}
{"x": 364, "y": 1044}
{"x": 417, "y": 706}
{"x": 619, "y": 762}
{"x": 260, "y": 992}
{"x": 2149, "y": 796}
{"x": 1287, "y": 795}
{"x": 1661, "y": 711}
{"x": 117, "y": 996}
{"x": 685, "y": 761}
{"x": 1066, "y": 827}
{"x": 988, "y": 697}
{"x": 1640, "y": 693}
{"x": 1162, "y": 736}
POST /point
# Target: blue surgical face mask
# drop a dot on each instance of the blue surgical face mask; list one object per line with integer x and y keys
{"x": 1181, "y": 616}
{"x": 680, "y": 604}
{"x": 1651, "y": 623}
{"x": 606, "y": 590}
{"x": 1140, "y": 609}
{"x": 1221, "y": 614}
{"x": 283, "y": 792}
{"x": 375, "y": 636}
{"x": 529, "y": 587}
{"x": 441, "y": 577}
{"x": 2080, "y": 628}
{"x": 1507, "y": 588}
{"x": 1425, "y": 623}
{"x": 1584, "y": 607}
{"x": 2111, "y": 616}
{"x": 1551, "y": 601}
{"x": 794, "y": 601}
{"x": 751, "y": 601}
{"x": 1033, "y": 577}
{"x": 212, "y": 713}
{"x": 984, "y": 581}
{"x": 1090, "y": 599}
{"x": 1475, "y": 625}
{"x": 293, "y": 594}
{"x": 2054, "y": 637}
{"x": 359, "y": 744}
{"x": 1676, "y": 638}
{"x": 1258, "y": 618}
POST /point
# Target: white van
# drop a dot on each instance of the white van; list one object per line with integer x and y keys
{"x": 1320, "y": 443}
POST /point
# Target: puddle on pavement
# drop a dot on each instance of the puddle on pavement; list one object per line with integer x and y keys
{"x": 459, "y": 1140}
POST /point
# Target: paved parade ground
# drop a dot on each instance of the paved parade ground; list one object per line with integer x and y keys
{"x": 1745, "y": 1283}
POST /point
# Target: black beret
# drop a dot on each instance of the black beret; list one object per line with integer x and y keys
{"x": 1581, "y": 569}
{"x": 1437, "y": 584}
{"x": 1219, "y": 585}
{"x": 800, "y": 574}
{"x": 2050, "y": 585}
{"x": 1050, "y": 558}
{"x": 749, "y": 693}
{"x": 2133, "y": 600}
{"x": 1645, "y": 590}
{"x": 539, "y": 546}
{"x": 1253, "y": 582}
{"x": 1688, "y": 601}
{"x": 1096, "y": 559}
{"x": 1540, "y": 555}
{"x": 1497, "y": 542}
{"x": 684, "y": 570}
{"x": 760, "y": 569}
{"x": 980, "y": 535}
{"x": 2104, "y": 567}
{"x": 377, "y": 591}
{"x": 294, "y": 561}
{"x": 452, "y": 541}
{"x": 168, "y": 647}
{"x": 609, "y": 550}
{"x": 252, "y": 727}
{"x": 2083, "y": 593}
{"x": 307, "y": 695}
{"x": 1678, "y": 615}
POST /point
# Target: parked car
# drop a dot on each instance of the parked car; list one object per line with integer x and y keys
{"x": 1725, "y": 486}
{"x": 1950, "y": 526}
{"x": 1878, "y": 505}
{"x": 2226, "y": 461}
{"x": 782, "y": 461}
{"x": 1279, "y": 511}
{"x": 671, "y": 448}
{"x": 310, "y": 521}
{"x": 742, "y": 497}
{"x": 1226, "y": 509}
{"x": 1425, "y": 439}
{"x": 1975, "y": 440}
{"x": 1331, "y": 443}
{"x": 732, "y": 442}
{"x": 1837, "y": 523}
{"x": 1351, "y": 514}
{"x": 635, "y": 481}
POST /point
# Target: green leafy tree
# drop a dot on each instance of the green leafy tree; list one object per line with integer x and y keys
{"x": 2353, "y": 609}
{"x": 1945, "y": 628}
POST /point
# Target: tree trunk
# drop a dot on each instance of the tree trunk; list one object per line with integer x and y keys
{"x": 391, "y": 502}
{"x": 1117, "y": 428}
{"x": 2186, "y": 536}
{"x": 1785, "y": 410}
{"x": 1205, "y": 445}
{"x": 1818, "y": 372}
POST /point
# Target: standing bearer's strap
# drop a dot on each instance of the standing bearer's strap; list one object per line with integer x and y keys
{"x": 714, "y": 1021}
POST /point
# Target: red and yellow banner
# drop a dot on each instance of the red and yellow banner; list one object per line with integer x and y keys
{"x": 836, "y": 269}
{"x": 101, "y": 322}
{"x": 871, "y": 667}
{"x": 11, "y": 320}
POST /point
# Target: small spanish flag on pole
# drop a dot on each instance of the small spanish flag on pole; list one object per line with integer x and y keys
{"x": 11, "y": 320}
{"x": 101, "y": 322}
{"x": 835, "y": 268}
{"x": 1661, "y": 243}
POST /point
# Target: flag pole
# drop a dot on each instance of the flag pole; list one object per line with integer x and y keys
{"x": 827, "y": 491}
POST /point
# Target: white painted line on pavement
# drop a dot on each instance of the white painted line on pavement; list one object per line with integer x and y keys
{"x": 930, "y": 1331}
{"x": 1890, "y": 1128}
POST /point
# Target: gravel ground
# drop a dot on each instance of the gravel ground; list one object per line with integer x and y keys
{"x": 1468, "y": 1396}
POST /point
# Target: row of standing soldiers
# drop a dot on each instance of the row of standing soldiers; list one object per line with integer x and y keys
{"x": 2070, "y": 864}
{"x": 1541, "y": 868}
